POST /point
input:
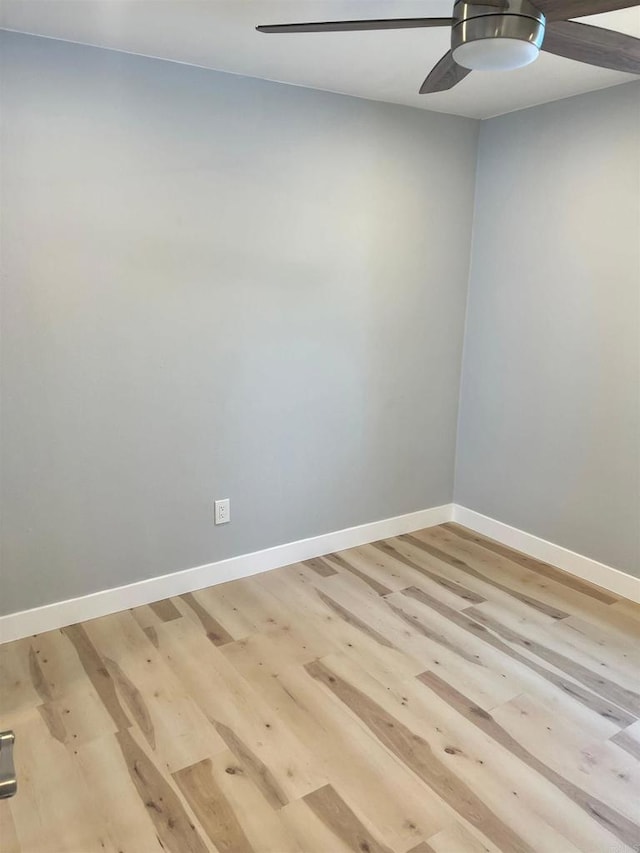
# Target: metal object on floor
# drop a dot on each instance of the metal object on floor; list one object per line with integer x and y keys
{"x": 8, "y": 780}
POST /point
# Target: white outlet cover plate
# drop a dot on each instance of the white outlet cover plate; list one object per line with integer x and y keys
{"x": 222, "y": 511}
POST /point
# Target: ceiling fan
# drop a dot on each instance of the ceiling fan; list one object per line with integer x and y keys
{"x": 493, "y": 35}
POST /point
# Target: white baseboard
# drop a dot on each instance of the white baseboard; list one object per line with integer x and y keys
{"x": 61, "y": 613}
{"x": 613, "y": 580}
{"x": 51, "y": 616}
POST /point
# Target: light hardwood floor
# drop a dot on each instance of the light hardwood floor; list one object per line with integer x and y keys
{"x": 433, "y": 693}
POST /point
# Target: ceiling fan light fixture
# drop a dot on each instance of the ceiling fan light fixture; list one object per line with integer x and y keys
{"x": 496, "y": 54}
{"x": 493, "y": 35}
{"x": 497, "y": 42}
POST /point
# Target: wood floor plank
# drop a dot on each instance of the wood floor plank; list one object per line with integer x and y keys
{"x": 373, "y": 614}
{"x": 457, "y": 839}
{"x": 208, "y": 802}
{"x": 234, "y": 813}
{"x": 397, "y": 574}
{"x": 411, "y": 544}
{"x": 225, "y": 697}
{"x": 621, "y": 656}
{"x": 624, "y": 698}
{"x": 510, "y": 788}
{"x": 488, "y": 672}
{"x": 252, "y": 765}
{"x": 312, "y": 834}
{"x": 78, "y": 717}
{"x": 442, "y": 550}
{"x": 573, "y": 638}
{"x": 628, "y": 609}
{"x": 152, "y": 635}
{"x": 370, "y": 778}
{"x": 423, "y": 847}
{"x": 570, "y": 687}
{"x": 38, "y": 679}
{"x": 174, "y": 727}
{"x": 117, "y": 801}
{"x": 351, "y": 619}
{"x": 544, "y": 589}
{"x": 133, "y": 700}
{"x": 97, "y": 673}
{"x": 292, "y": 586}
{"x": 245, "y": 607}
{"x": 321, "y": 566}
{"x": 18, "y": 691}
{"x": 145, "y": 616}
{"x": 588, "y": 763}
{"x": 8, "y": 834}
{"x": 173, "y": 824}
{"x": 422, "y": 627}
{"x": 452, "y": 586}
{"x": 347, "y": 563}
{"x": 629, "y": 740}
{"x": 379, "y": 615}
{"x": 165, "y": 610}
{"x": 215, "y": 632}
{"x": 53, "y": 809}
{"x": 373, "y": 781}
{"x": 58, "y": 665}
{"x": 239, "y": 611}
{"x": 417, "y": 755}
{"x": 429, "y": 693}
{"x": 543, "y": 569}
{"x": 618, "y": 824}
{"x": 332, "y": 810}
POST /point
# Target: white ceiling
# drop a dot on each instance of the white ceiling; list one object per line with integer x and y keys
{"x": 384, "y": 66}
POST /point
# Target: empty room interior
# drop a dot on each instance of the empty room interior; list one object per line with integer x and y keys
{"x": 320, "y": 426}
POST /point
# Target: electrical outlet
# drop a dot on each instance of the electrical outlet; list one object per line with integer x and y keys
{"x": 222, "y": 511}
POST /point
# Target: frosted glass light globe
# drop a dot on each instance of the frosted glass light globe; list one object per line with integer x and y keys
{"x": 495, "y": 54}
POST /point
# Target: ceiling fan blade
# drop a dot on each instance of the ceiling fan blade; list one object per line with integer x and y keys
{"x": 593, "y": 45}
{"x": 560, "y": 10}
{"x": 444, "y": 75}
{"x": 350, "y": 26}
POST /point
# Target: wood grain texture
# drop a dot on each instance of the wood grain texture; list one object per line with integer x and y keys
{"x": 589, "y": 699}
{"x": 133, "y": 700}
{"x": 340, "y": 819}
{"x": 543, "y": 569}
{"x": 556, "y": 10}
{"x": 215, "y": 631}
{"x": 418, "y": 756}
{"x": 165, "y": 610}
{"x": 618, "y": 695}
{"x": 444, "y": 75}
{"x": 254, "y": 767}
{"x": 422, "y": 627}
{"x": 445, "y": 556}
{"x": 37, "y": 677}
{"x": 351, "y": 619}
{"x": 97, "y": 673}
{"x": 320, "y": 566}
{"x": 208, "y": 802}
{"x": 375, "y": 585}
{"x": 173, "y": 824}
{"x": 593, "y": 45}
{"x": 609, "y": 818}
{"x": 431, "y": 693}
{"x": 629, "y": 740}
{"x": 452, "y": 586}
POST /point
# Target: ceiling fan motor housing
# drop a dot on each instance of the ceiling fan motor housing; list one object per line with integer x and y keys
{"x": 496, "y": 37}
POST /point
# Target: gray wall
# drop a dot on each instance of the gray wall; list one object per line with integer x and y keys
{"x": 217, "y": 287}
{"x": 549, "y": 430}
